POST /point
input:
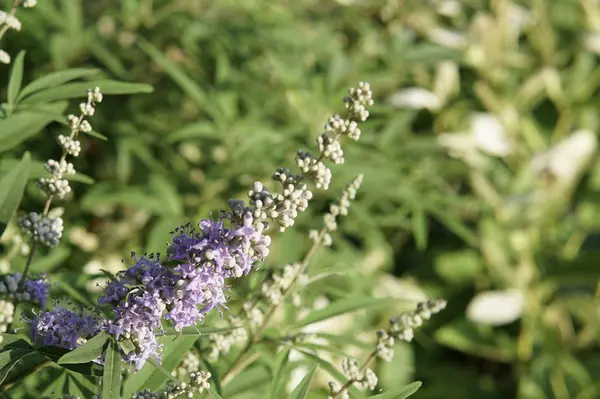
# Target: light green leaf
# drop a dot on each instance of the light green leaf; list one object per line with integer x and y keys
{"x": 79, "y": 90}
{"x": 16, "y": 79}
{"x": 419, "y": 228}
{"x": 12, "y": 187}
{"x": 400, "y": 393}
{"x": 301, "y": 390}
{"x": 87, "y": 352}
{"x": 343, "y": 306}
{"x": 24, "y": 124}
{"x": 214, "y": 394}
{"x": 111, "y": 378}
{"x": 278, "y": 375}
{"x": 56, "y": 78}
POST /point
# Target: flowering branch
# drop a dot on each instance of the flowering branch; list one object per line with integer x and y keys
{"x": 400, "y": 328}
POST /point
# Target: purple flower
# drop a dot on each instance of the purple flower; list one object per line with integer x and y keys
{"x": 38, "y": 289}
{"x": 63, "y": 327}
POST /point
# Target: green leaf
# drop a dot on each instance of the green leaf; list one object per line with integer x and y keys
{"x": 343, "y": 306}
{"x": 400, "y": 393}
{"x": 214, "y": 394}
{"x": 16, "y": 79}
{"x": 79, "y": 90}
{"x": 419, "y": 228}
{"x": 12, "y": 187}
{"x": 10, "y": 360}
{"x": 278, "y": 376}
{"x": 301, "y": 390}
{"x": 151, "y": 378}
{"x": 182, "y": 79}
{"x": 126, "y": 346}
{"x": 57, "y": 78}
{"x": 251, "y": 380}
{"x": 194, "y": 131}
{"x": 24, "y": 124}
{"x": 87, "y": 352}
{"x": 111, "y": 378}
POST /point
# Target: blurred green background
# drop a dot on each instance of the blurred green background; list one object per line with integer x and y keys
{"x": 481, "y": 177}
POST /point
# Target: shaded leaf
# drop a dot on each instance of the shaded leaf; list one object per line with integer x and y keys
{"x": 24, "y": 124}
{"x": 12, "y": 187}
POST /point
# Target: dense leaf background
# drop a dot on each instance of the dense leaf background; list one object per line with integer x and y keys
{"x": 223, "y": 92}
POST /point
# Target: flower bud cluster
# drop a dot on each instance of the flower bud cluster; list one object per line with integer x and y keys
{"x": 340, "y": 207}
{"x": 30, "y": 290}
{"x": 190, "y": 364}
{"x": 283, "y": 207}
{"x": 198, "y": 383}
{"x": 274, "y": 288}
{"x": 402, "y": 327}
{"x": 7, "y": 311}
{"x": 56, "y": 185}
{"x": 253, "y": 314}
{"x": 367, "y": 379}
{"x": 221, "y": 343}
{"x": 42, "y": 229}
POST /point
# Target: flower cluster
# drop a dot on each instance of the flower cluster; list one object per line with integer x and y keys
{"x": 402, "y": 327}
{"x": 198, "y": 383}
{"x": 7, "y": 311}
{"x": 190, "y": 364}
{"x": 221, "y": 343}
{"x": 46, "y": 228}
{"x": 149, "y": 292}
{"x": 42, "y": 229}
{"x": 31, "y": 290}
{"x": 63, "y": 328}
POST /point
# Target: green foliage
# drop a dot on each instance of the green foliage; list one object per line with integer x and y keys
{"x": 203, "y": 99}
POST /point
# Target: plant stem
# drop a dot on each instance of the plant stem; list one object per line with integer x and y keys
{"x": 12, "y": 12}
{"x": 235, "y": 366}
{"x": 27, "y": 265}
{"x": 351, "y": 380}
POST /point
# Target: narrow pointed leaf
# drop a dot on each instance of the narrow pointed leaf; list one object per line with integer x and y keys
{"x": 301, "y": 390}
{"x": 401, "y": 393}
{"x": 16, "y": 79}
{"x": 343, "y": 306}
{"x": 12, "y": 187}
{"x": 87, "y": 352}
{"x": 111, "y": 378}
{"x": 278, "y": 375}
{"x": 57, "y": 78}
{"x": 79, "y": 90}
